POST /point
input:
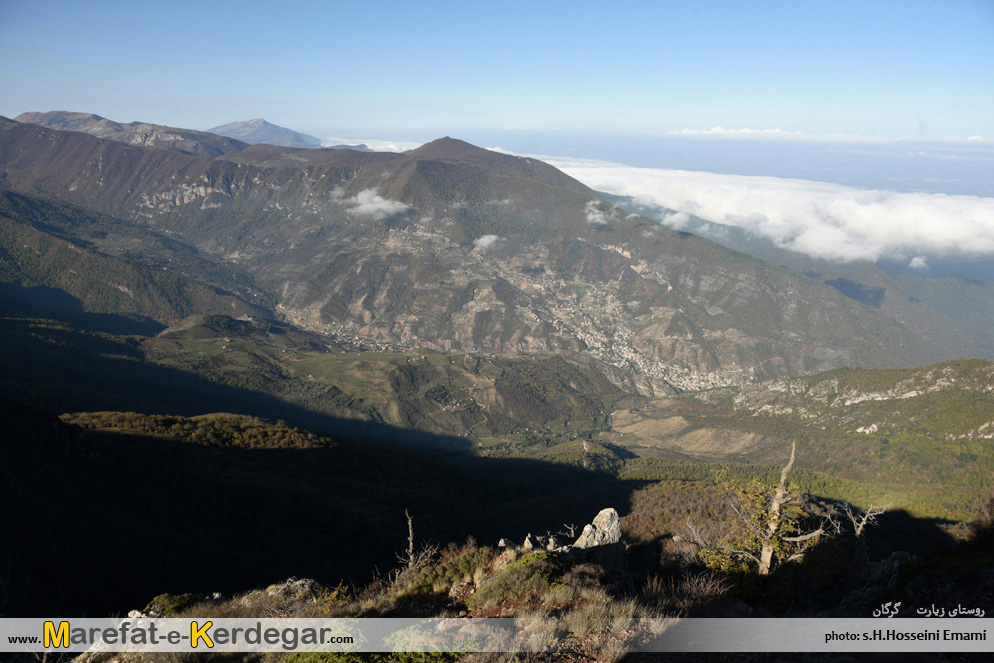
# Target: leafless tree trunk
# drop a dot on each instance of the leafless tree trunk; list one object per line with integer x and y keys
{"x": 411, "y": 559}
{"x": 773, "y": 521}
{"x": 770, "y": 515}
{"x": 768, "y": 526}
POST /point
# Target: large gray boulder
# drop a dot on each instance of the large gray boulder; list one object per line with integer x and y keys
{"x": 600, "y": 542}
{"x": 605, "y": 530}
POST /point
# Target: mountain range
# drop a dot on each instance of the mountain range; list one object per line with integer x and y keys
{"x": 485, "y": 309}
{"x": 456, "y": 248}
{"x": 187, "y": 141}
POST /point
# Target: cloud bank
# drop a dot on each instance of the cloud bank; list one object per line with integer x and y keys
{"x": 823, "y": 220}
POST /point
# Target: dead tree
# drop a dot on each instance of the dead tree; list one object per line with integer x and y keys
{"x": 413, "y": 558}
{"x": 858, "y": 518}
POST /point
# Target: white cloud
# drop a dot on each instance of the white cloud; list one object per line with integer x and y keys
{"x": 485, "y": 242}
{"x": 676, "y": 220}
{"x": 918, "y": 262}
{"x": 369, "y": 202}
{"x": 714, "y": 230}
{"x": 375, "y": 144}
{"x": 594, "y": 215}
{"x": 820, "y": 219}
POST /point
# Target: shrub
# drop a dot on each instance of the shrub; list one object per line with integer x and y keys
{"x": 532, "y": 574}
{"x": 465, "y": 566}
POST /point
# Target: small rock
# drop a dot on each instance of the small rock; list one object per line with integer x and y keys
{"x": 293, "y": 588}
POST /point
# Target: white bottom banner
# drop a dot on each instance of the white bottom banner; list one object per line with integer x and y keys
{"x": 494, "y": 635}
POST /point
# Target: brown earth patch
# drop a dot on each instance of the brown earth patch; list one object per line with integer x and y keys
{"x": 717, "y": 443}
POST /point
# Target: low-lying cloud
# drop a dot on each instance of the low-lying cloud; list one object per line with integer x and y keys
{"x": 485, "y": 242}
{"x": 369, "y": 202}
{"x": 375, "y": 144}
{"x": 676, "y": 220}
{"x": 823, "y": 220}
{"x": 595, "y": 215}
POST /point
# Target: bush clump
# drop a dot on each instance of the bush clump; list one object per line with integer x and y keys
{"x": 532, "y": 574}
{"x": 464, "y": 565}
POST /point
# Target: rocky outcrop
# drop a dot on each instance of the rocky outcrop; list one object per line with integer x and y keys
{"x": 171, "y": 605}
{"x": 291, "y": 590}
{"x": 605, "y": 530}
{"x": 881, "y": 577}
{"x": 599, "y": 543}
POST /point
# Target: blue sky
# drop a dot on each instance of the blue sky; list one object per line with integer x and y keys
{"x": 423, "y": 69}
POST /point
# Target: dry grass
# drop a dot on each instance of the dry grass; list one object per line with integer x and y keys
{"x": 684, "y": 595}
{"x": 563, "y": 610}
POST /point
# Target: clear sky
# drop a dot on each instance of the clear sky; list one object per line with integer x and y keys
{"x": 913, "y": 68}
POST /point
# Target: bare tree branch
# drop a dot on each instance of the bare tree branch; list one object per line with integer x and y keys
{"x": 860, "y": 519}
{"x": 745, "y": 553}
{"x": 804, "y": 537}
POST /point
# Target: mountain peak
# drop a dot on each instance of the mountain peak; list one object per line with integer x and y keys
{"x": 72, "y": 121}
{"x": 448, "y": 148}
{"x": 258, "y": 130}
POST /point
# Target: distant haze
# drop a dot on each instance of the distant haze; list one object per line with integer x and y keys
{"x": 962, "y": 166}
